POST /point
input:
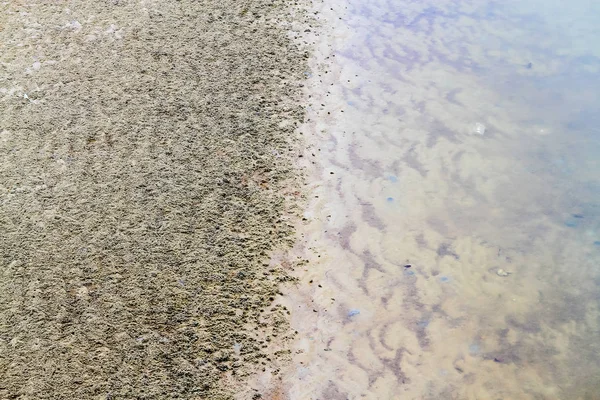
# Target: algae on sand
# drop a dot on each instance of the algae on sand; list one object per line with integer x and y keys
{"x": 145, "y": 152}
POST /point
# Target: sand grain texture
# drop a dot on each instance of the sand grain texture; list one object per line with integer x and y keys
{"x": 145, "y": 175}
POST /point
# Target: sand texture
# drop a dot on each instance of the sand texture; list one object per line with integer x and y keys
{"x": 145, "y": 176}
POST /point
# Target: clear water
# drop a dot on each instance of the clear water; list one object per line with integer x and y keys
{"x": 461, "y": 138}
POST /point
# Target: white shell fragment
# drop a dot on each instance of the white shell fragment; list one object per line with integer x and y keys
{"x": 502, "y": 273}
{"x": 478, "y": 128}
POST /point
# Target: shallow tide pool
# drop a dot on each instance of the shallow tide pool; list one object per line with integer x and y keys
{"x": 453, "y": 234}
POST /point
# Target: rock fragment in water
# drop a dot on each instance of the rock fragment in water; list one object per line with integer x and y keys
{"x": 478, "y": 129}
{"x": 502, "y": 273}
{"x": 354, "y": 312}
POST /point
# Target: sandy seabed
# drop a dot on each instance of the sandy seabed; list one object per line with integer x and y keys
{"x": 452, "y": 232}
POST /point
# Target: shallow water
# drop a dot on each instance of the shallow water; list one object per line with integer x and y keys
{"x": 454, "y": 229}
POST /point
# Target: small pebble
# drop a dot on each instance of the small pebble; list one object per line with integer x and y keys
{"x": 502, "y": 273}
{"x": 478, "y": 129}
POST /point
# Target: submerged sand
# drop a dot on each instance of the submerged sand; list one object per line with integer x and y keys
{"x": 145, "y": 176}
{"x": 452, "y": 231}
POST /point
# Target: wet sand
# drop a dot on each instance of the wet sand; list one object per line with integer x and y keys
{"x": 146, "y": 175}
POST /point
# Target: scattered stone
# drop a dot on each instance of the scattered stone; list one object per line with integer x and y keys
{"x": 353, "y": 312}
{"x": 478, "y": 129}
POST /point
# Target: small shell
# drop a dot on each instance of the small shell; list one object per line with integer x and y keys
{"x": 478, "y": 129}
{"x": 502, "y": 273}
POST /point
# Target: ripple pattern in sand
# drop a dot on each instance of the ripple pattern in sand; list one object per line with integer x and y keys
{"x": 429, "y": 178}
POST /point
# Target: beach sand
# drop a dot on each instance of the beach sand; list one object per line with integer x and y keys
{"x": 146, "y": 175}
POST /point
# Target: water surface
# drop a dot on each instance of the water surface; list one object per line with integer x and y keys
{"x": 454, "y": 232}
